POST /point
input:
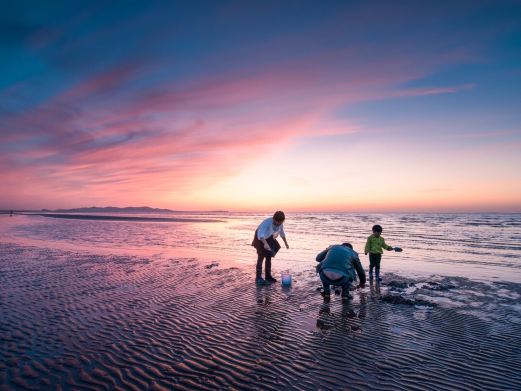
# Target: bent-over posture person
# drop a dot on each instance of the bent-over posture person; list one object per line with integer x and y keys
{"x": 267, "y": 246}
{"x": 339, "y": 265}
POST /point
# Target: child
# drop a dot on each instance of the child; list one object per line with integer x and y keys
{"x": 375, "y": 244}
{"x": 267, "y": 246}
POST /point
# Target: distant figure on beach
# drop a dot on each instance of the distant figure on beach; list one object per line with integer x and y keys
{"x": 338, "y": 264}
{"x": 11, "y": 213}
{"x": 267, "y": 246}
{"x": 374, "y": 247}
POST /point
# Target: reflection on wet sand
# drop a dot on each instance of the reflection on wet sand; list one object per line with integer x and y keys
{"x": 80, "y": 320}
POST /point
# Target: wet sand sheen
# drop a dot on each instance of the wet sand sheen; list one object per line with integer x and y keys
{"x": 84, "y": 321}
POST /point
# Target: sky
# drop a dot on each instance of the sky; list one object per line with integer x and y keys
{"x": 406, "y": 106}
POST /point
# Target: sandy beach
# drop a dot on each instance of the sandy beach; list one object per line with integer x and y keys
{"x": 81, "y": 320}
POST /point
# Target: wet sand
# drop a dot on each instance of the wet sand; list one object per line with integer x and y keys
{"x": 83, "y": 321}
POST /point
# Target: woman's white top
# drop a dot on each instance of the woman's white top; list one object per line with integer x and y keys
{"x": 267, "y": 228}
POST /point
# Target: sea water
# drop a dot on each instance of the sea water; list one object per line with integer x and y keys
{"x": 477, "y": 246}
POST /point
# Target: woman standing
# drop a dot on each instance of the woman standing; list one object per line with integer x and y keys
{"x": 267, "y": 246}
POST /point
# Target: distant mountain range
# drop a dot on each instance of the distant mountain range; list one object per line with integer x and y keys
{"x": 112, "y": 209}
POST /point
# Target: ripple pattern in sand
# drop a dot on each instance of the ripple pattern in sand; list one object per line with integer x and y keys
{"x": 81, "y": 321}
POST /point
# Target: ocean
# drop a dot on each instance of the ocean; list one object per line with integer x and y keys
{"x": 477, "y": 246}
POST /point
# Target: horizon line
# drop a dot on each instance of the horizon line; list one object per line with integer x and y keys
{"x": 44, "y": 210}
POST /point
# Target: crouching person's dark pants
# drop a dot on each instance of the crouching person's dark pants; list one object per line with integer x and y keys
{"x": 344, "y": 282}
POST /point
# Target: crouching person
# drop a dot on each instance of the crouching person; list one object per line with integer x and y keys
{"x": 339, "y": 265}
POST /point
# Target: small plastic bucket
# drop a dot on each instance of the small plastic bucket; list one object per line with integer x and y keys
{"x": 286, "y": 279}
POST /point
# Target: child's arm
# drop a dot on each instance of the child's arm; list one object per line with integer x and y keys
{"x": 387, "y": 247}
{"x": 367, "y": 245}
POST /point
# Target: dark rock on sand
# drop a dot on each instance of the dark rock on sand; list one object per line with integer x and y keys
{"x": 323, "y": 325}
{"x": 397, "y": 284}
{"x": 350, "y": 314}
{"x": 398, "y": 299}
{"x": 214, "y": 264}
{"x": 435, "y": 286}
{"x": 424, "y": 303}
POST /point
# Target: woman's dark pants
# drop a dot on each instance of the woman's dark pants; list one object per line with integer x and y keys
{"x": 260, "y": 257}
{"x": 263, "y": 253}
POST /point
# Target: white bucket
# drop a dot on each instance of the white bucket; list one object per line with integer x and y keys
{"x": 286, "y": 279}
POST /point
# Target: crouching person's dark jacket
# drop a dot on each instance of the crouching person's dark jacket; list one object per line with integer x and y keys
{"x": 342, "y": 260}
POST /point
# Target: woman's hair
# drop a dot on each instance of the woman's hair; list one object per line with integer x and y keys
{"x": 348, "y": 245}
{"x": 377, "y": 228}
{"x": 279, "y": 216}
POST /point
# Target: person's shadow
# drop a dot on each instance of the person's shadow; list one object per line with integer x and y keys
{"x": 269, "y": 318}
{"x": 350, "y": 315}
{"x": 324, "y": 320}
{"x": 374, "y": 289}
{"x": 362, "y": 312}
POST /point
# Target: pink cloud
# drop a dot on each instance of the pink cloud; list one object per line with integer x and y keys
{"x": 183, "y": 134}
{"x": 435, "y": 90}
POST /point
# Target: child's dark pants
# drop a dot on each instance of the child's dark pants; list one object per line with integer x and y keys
{"x": 374, "y": 262}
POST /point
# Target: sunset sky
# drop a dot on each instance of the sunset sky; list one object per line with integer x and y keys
{"x": 246, "y": 106}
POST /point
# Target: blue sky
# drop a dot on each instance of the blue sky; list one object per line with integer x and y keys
{"x": 186, "y": 104}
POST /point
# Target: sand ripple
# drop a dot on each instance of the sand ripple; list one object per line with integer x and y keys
{"x": 78, "y": 321}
